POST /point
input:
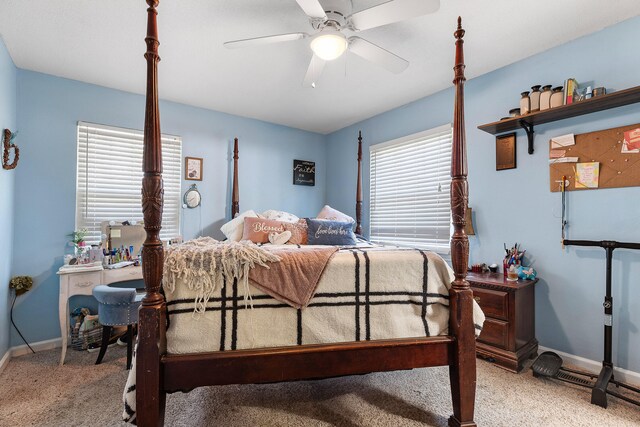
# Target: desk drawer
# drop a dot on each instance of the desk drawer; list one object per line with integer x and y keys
{"x": 83, "y": 283}
{"x": 493, "y": 303}
{"x": 122, "y": 274}
{"x": 495, "y": 333}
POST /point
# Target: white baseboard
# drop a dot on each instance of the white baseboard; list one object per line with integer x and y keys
{"x": 5, "y": 360}
{"x": 622, "y": 375}
{"x": 21, "y": 350}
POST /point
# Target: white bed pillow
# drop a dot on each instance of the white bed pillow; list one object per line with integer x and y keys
{"x": 334, "y": 215}
{"x": 280, "y": 216}
{"x": 234, "y": 228}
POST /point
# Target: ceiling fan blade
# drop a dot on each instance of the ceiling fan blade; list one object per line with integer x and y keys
{"x": 392, "y": 11}
{"x": 312, "y": 8}
{"x": 377, "y": 55}
{"x": 259, "y": 41}
{"x": 313, "y": 72}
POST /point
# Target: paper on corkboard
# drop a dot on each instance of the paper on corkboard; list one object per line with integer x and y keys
{"x": 616, "y": 168}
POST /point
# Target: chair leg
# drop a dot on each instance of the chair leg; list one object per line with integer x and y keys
{"x": 106, "y": 335}
{"x": 129, "y": 345}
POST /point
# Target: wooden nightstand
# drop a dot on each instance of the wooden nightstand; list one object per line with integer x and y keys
{"x": 508, "y": 337}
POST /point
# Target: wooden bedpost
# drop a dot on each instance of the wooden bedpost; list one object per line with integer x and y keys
{"x": 235, "y": 202}
{"x": 463, "y": 372}
{"x": 359, "y": 188}
{"x": 150, "y": 398}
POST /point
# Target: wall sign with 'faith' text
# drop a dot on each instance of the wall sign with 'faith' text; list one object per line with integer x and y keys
{"x": 304, "y": 172}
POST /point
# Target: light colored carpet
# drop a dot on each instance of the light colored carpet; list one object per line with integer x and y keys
{"x": 35, "y": 391}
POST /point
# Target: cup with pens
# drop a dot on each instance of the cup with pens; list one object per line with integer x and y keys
{"x": 512, "y": 260}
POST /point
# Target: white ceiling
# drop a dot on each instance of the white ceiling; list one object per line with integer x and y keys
{"x": 101, "y": 42}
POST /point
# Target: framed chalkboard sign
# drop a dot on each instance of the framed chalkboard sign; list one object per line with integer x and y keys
{"x": 506, "y": 152}
{"x": 304, "y": 172}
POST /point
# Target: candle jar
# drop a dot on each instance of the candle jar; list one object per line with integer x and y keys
{"x": 557, "y": 97}
{"x": 525, "y": 103}
{"x": 534, "y": 98}
{"x": 545, "y": 98}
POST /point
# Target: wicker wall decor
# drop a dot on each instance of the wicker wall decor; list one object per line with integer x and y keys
{"x": 7, "y": 146}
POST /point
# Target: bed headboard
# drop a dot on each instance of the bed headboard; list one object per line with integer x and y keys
{"x": 235, "y": 194}
{"x": 359, "y": 187}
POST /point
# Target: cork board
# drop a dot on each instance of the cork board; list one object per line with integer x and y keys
{"x": 617, "y": 169}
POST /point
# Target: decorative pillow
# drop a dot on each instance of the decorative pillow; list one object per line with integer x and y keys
{"x": 334, "y": 215}
{"x": 298, "y": 232}
{"x": 280, "y": 216}
{"x": 234, "y": 228}
{"x": 323, "y": 232}
{"x": 279, "y": 238}
{"x": 258, "y": 229}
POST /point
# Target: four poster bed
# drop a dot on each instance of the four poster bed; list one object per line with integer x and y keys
{"x": 159, "y": 371}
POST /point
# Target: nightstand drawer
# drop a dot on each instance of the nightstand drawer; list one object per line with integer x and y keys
{"x": 493, "y": 303}
{"x": 495, "y": 332}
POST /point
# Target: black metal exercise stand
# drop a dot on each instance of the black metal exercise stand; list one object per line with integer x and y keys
{"x": 550, "y": 365}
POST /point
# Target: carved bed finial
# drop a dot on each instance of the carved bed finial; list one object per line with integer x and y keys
{"x": 459, "y": 186}
{"x": 463, "y": 380}
{"x": 359, "y": 187}
{"x": 152, "y": 185}
{"x": 235, "y": 195}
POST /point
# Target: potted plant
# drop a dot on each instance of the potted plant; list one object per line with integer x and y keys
{"x": 21, "y": 284}
{"x": 77, "y": 239}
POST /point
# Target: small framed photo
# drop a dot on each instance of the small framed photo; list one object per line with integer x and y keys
{"x": 193, "y": 168}
{"x": 506, "y": 151}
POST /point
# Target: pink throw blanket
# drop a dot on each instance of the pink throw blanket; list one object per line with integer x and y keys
{"x": 295, "y": 278}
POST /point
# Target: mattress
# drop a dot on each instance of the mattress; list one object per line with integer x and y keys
{"x": 366, "y": 292}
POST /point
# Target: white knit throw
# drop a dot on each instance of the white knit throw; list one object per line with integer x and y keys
{"x": 205, "y": 263}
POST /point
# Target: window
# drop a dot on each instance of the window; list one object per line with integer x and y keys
{"x": 109, "y": 179}
{"x": 409, "y": 190}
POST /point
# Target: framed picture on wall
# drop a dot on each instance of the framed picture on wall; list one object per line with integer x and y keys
{"x": 304, "y": 172}
{"x": 506, "y": 151}
{"x": 193, "y": 168}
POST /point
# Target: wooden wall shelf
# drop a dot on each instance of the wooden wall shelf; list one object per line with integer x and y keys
{"x": 528, "y": 121}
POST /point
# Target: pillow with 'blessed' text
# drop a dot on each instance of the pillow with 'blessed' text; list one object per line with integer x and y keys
{"x": 258, "y": 229}
{"x": 323, "y": 232}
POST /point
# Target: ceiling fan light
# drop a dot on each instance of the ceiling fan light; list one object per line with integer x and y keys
{"x": 329, "y": 46}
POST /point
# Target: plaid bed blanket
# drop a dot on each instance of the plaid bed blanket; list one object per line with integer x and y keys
{"x": 365, "y": 293}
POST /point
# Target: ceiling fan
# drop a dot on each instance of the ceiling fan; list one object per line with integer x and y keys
{"x": 330, "y": 19}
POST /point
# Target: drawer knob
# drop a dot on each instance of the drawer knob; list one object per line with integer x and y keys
{"x": 477, "y": 299}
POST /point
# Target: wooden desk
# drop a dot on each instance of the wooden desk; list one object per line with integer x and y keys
{"x": 82, "y": 282}
{"x": 508, "y": 337}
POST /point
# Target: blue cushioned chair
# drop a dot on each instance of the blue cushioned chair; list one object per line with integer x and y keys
{"x": 116, "y": 307}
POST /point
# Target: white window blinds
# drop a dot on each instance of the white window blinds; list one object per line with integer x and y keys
{"x": 409, "y": 190}
{"x": 109, "y": 179}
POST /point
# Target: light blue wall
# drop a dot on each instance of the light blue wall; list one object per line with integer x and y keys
{"x": 48, "y": 110}
{"x": 517, "y": 206}
{"x": 7, "y": 120}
